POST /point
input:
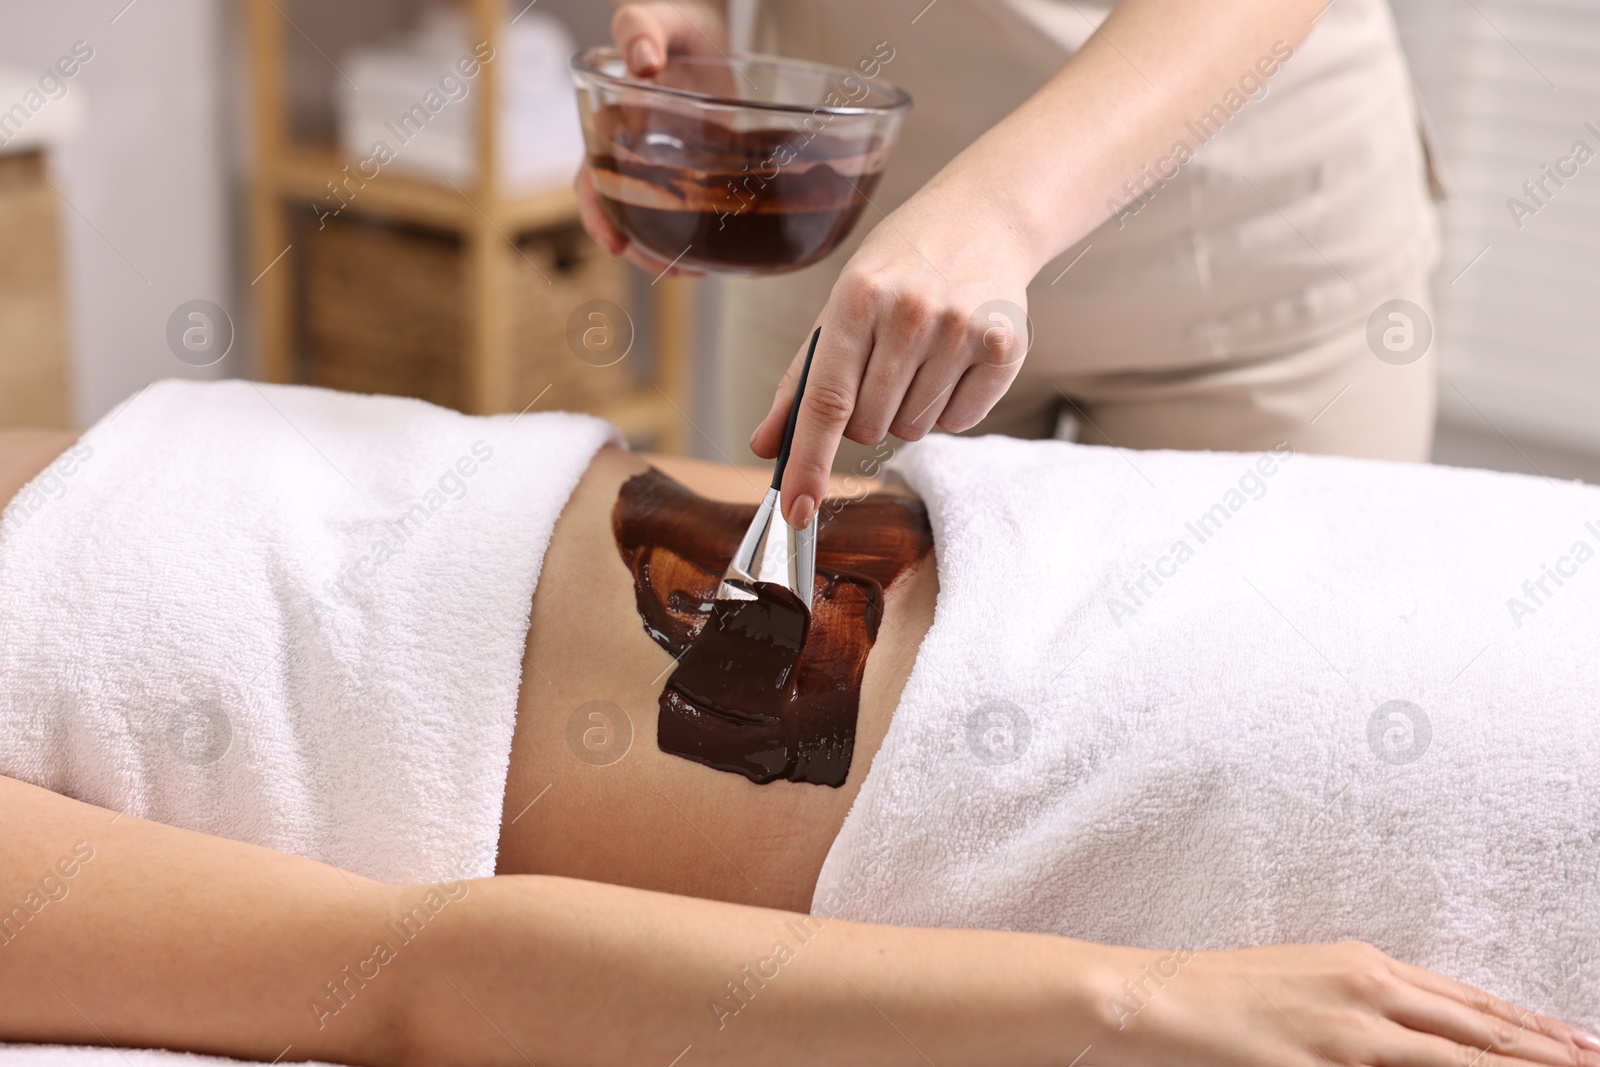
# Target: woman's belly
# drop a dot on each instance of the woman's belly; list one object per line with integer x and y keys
{"x": 574, "y": 806}
{"x": 590, "y": 794}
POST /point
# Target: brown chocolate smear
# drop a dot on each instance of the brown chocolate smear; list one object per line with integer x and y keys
{"x": 753, "y": 200}
{"x": 762, "y": 688}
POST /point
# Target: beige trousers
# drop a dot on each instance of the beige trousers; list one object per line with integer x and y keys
{"x": 1335, "y": 396}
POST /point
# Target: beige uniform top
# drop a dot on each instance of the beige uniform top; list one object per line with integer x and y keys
{"x": 1277, "y": 239}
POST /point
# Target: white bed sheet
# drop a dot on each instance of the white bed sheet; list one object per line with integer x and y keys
{"x": 104, "y": 1056}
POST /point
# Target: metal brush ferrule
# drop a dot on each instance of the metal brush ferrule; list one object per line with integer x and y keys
{"x": 772, "y": 551}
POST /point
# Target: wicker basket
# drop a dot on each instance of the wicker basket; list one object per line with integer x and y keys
{"x": 386, "y": 312}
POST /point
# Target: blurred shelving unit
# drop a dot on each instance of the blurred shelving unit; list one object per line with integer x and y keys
{"x": 34, "y": 380}
{"x": 482, "y": 276}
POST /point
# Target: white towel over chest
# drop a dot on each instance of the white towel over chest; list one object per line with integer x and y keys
{"x": 286, "y": 616}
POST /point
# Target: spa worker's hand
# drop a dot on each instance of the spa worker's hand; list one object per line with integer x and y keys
{"x": 646, "y": 34}
{"x": 900, "y": 351}
{"x": 927, "y": 325}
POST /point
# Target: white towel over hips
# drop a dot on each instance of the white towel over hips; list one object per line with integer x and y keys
{"x": 286, "y": 616}
{"x": 1215, "y": 700}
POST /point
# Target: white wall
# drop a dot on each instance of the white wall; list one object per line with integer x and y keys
{"x": 147, "y": 224}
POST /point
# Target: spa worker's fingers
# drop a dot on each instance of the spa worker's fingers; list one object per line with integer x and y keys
{"x": 607, "y": 236}
{"x": 926, "y": 326}
{"x": 646, "y": 34}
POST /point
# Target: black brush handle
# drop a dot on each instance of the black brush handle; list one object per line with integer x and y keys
{"x": 794, "y": 413}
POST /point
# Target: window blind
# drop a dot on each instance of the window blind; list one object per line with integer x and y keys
{"x": 1512, "y": 89}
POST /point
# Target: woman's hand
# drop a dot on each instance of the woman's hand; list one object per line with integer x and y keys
{"x": 646, "y": 35}
{"x": 926, "y": 326}
{"x": 1316, "y": 1005}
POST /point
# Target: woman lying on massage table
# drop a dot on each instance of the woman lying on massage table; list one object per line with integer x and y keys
{"x": 645, "y": 906}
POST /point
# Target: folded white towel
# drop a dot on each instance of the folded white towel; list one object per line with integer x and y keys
{"x": 1215, "y": 700}
{"x": 286, "y": 616}
{"x": 412, "y": 96}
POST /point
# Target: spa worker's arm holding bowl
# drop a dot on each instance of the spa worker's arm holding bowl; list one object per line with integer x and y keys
{"x": 900, "y": 350}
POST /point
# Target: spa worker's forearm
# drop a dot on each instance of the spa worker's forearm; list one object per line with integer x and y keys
{"x": 1051, "y": 170}
{"x": 926, "y": 324}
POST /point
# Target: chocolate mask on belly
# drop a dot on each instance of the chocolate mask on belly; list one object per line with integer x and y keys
{"x": 761, "y": 688}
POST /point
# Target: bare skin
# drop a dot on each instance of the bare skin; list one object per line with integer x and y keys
{"x": 652, "y": 820}
{"x": 175, "y": 939}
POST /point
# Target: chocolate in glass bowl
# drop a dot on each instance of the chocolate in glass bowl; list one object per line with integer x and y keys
{"x": 750, "y": 165}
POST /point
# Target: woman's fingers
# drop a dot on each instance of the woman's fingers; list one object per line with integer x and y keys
{"x": 595, "y": 221}
{"x": 1408, "y": 1048}
{"x": 1000, "y": 351}
{"x": 943, "y": 351}
{"x": 599, "y": 226}
{"x": 899, "y": 335}
{"x": 832, "y": 386}
{"x": 646, "y": 34}
{"x": 973, "y": 397}
{"x": 927, "y": 397}
{"x": 915, "y": 337}
{"x": 1454, "y": 1017}
{"x": 1441, "y": 1016}
{"x": 1346, "y": 1003}
{"x": 1489, "y": 1004}
{"x": 958, "y": 387}
{"x": 886, "y": 364}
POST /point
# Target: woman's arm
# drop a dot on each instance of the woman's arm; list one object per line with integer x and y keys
{"x": 131, "y": 933}
{"x": 900, "y": 349}
{"x": 116, "y": 930}
{"x": 1053, "y": 169}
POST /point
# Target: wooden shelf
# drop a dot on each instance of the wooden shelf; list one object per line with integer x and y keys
{"x": 35, "y": 383}
{"x": 307, "y": 174}
{"x": 487, "y": 216}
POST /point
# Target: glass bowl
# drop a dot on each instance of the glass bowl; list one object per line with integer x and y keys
{"x": 749, "y": 164}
